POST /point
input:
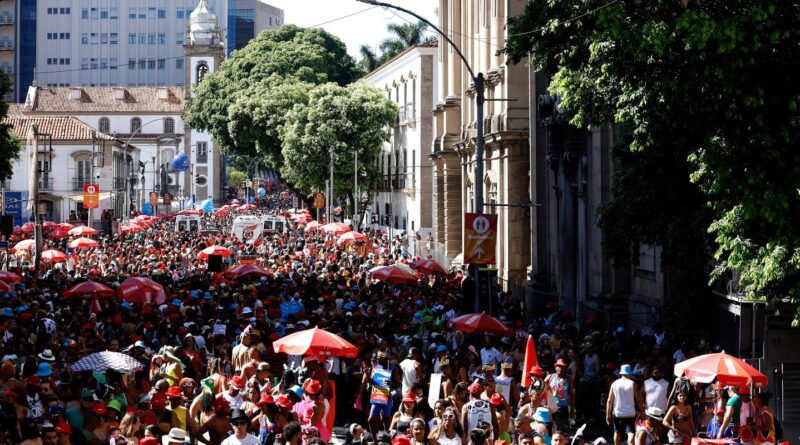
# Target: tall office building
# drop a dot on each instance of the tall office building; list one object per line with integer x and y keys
{"x": 8, "y": 49}
{"x": 247, "y": 18}
{"x": 120, "y": 42}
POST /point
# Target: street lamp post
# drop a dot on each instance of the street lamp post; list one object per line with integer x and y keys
{"x": 477, "y": 80}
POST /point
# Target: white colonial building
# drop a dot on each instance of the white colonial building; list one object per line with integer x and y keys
{"x": 150, "y": 119}
{"x": 403, "y": 203}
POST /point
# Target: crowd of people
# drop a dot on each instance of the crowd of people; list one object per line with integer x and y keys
{"x": 209, "y": 374}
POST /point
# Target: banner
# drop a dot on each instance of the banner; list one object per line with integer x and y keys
{"x": 91, "y": 196}
{"x": 434, "y": 389}
{"x": 319, "y": 200}
{"x": 381, "y": 380}
{"x": 14, "y": 206}
{"x": 154, "y": 199}
{"x": 480, "y": 238}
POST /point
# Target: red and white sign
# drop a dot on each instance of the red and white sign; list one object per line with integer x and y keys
{"x": 91, "y": 196}
{"x": 480, "y": 238}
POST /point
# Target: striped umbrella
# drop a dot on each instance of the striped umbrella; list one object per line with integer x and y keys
{"x": 726, "y": 369}
{"x": 105, "y": 360}
{"x": 481, "y": 322}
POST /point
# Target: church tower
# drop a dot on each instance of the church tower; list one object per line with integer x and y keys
{"x": 204, "y": 51}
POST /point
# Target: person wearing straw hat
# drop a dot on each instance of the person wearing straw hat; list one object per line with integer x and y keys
{"x": 650, "y": 430}
{"x": 176, "y": 436}
{"x": 622, "y": 405}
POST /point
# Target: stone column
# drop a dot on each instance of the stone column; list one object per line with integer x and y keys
{"x": 444, "y": 52}
{"x": 453, "y": 212}
{"x": 455, "y": 64}
{"x": 516, "y": 227}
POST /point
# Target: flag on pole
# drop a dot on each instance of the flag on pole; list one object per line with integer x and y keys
{"x": 95, "y": 309}
{"x": 530, "y": 361}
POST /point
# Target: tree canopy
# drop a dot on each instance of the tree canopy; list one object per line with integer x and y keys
{"x": 244, "y": 104}
{"x": 402, "y": 36}
{"x": 10, "y": 144}
{"x": 346, "y": 120}
{"x": 703, "y": 99}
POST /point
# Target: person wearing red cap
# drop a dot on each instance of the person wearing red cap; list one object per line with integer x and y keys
{"x": 264, "y": 421}
{"x": 560, "y": 392}
{"x": 63, "y": 431}
{"x": 233, "y": 395}
{"x": 502, "y": 416}
{"x": 215, "y": 428}
{"x": 476, "y": 410}
{"x": 402, "y": 418}
{"x": 177, "y": 412}
{"x": 312, "y": 402}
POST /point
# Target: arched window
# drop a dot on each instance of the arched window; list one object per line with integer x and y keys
{"x": 202, "y": 70}
{"x": 136, "y": 124}
{"x": 169, "y": 125}
{"x": 104, "y": 125}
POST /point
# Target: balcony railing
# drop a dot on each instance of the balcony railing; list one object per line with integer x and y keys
{"x": 6, "y": 20}
{"x": 406, "y": 113}
{"x": 394, "y": 182}
{"x": 77, "y": 184}
{"x": 119, "y": 183}
{"x": 45, "y": 184}
{"x": 6, "y": 45}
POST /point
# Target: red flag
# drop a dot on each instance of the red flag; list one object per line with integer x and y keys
{"x": 530, "y": 361}
{"x": 95, "y": 307}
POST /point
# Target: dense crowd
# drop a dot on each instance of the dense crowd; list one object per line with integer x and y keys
{"x": 207, "y": 371}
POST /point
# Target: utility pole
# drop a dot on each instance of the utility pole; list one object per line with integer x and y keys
{"x": 37, "y": 220}
{"x": 330, "y": 186}
{"x": 355, "y": 192}
{"x": 477, "y": 80}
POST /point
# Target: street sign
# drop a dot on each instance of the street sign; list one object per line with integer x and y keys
{"x": 480, "y": 238}
{"x": 91, "y": 196}
{"x": 319, "y": 200}
{"x": 154, "y": 199}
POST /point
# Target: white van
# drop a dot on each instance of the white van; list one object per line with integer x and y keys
{"x": 275, "y": 224}
{"x": 247, "y": 228}
{"x": 189, "y": 223}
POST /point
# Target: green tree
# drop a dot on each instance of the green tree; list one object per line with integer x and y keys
{"x": 703, "y": 100}
{"x": 346, "y": 120}
{"x": 244, "y": 104}
{"x": 369, "y": 59}
{"x": 236, "y": 177}
{"x": 403, "y": 36}
{"x": 10, "y": 144}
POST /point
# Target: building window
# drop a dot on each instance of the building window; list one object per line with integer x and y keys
{"x": 142, "y": 13}
{"x": 104, "y": 38}
{"x": 151, "y": 39}
{"x": 104, "y": 125}
{"x": 114, "y": 14}
{"x": 131, "y": 64}
{"x": 162, "y": 64}
{"x": 202, "y": 70}
{"x": 113, "y": 63}
{"x": 84, "y": 64}
{"x": 94, "y": 13}
{"x": 179, "y": 14}
{"x": 104, "y": 13}
{"x": 162, "y": 39}
{"x": 85, "y": 13}
{"x": 179, "y": 38}
{"x": 162, "y": 13}
{"x": 103, "y": 64}
{"x": 169, "y": 125}
{"x": 132, "y": 13}
{"x": 85, "y": 39}
{"x": 151, "y": 64}
{"x": 151, "y": 13}
{"x": 114, "y": 38}
{"x": 136, "y": 124}
{"x": 179, "y": 64}
{"x": 132, "y": 39}
{"x": 93, "y": 38}
{"x": 93, "y": 63}
{"x": 142, "y": 39}
{"x": 142, "y": 64}
{"x": 202, "y": 152}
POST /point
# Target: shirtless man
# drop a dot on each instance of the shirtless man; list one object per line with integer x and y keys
{"x": 250, "y": 368}
{"x": 217, "y": 426}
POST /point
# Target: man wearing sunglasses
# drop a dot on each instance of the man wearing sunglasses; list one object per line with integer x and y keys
{"x": 240, "y": 435}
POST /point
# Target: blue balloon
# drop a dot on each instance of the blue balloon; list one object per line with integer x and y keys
{"x": 207, "y": 205}
{"x": 261, "y": 192}
{"x": 180, "y": 162}
{"x": 147, "y": 209}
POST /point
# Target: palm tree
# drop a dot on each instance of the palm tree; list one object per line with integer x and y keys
{"x": 405, "y": 35}
{"x": 369, "y": 60}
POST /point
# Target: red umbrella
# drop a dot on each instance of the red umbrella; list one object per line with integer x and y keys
{"x": 336, "y": 228}
{"x": 141, "y": 290}
{"x": 65, "y": 226}
{"x": 83, "y": 243}
{"x": 4, "y": 287}
{"x": 214, "y": 250}
{"x": 82, "y": 231}
{"x": 58, "y": 233}
{"x": 317, "y": 342}
{"x": 89, "y": 288}
{"x": 243, "y": 270}
{"x": 131, "y": 228}
{"x": 54, "y": 256}
{"x": 245, "y": 207}
{"x": 49, "y": 225}
{"x": 235, "y": 202}
{"x": 27, "y": 244}
{"x": 9, "y": 277}
{"x": 470, "y": 323}
{"x": 428, "y": 266}
{"x": 313, "y": 225}
{"x": 28, "y": 227}
{"x": 392, "y": 274}
{"x": 350, "y": 237}
{"x": 727, "y": 369}
{"x": 190, "y": 212}
{"x": 223, "y": 212}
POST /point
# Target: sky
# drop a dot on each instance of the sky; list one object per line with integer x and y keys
{"x": 363, "y": 28}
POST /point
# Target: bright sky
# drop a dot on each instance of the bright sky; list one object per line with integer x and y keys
{"x": 364, "y": 28}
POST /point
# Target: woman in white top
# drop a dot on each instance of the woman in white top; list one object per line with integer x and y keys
{"x": 449, "y": 432}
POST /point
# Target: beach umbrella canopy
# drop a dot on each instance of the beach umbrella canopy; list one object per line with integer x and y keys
{"x": 83, "y": 243}
{"x": 28, "y": 227}
{"x": 5, "y": 287}
{"x": 316, "y": 341}
{"x": 428, "y": 266}
{"x": 726, "y": 369}
{"x": 54, "y": 256}
{"x": 27, "y": 244}
{"x": 222, "y": 212}
{"x": 245, "y": 207}
{"x": 9, "y": 277}
{"x": 392, "y": 274}
{"x": 190, "y": 212}
{"x": 312, "y": 226}
{"x": 350, "y": 237}
{"x": 244, "y": 270}
{"x": 481, "y": 322}
{"x": 49, "y": 225}
{"x": 130, "y": 228}
{"x": 65, "y": 226}
{"x": 82, "y": 231}
{"x": 105, "y": 360}
{"x": 141, "y": 290}
{"x": 58, "y": 233}
{"x": 336, "y": 228}
{"x": 214, "y": 250}
{"x": 89, "y": 288}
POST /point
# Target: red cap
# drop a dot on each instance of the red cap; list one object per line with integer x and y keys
{"x": 537, "y": 371}
{"x": 312, "y": 387}
{"x": 410, "y": 397}
{"x": 158, "y": 401}
{"x": 401, "y": 440}
{"x": 174, "y": 392}
{"x": 266, "y": 398}
{"x": 99, "y": 408}
{"x": 475, "y": 388}
{"x": 283, "y": 401}
{"x": 561, "y": 362}
{"x": 497, "y": 399}
{"x": 237, "y": 382}
{"x": 34, "y": 381}
{"x": 63, "y": 427}
{"x": 221, "y": 403}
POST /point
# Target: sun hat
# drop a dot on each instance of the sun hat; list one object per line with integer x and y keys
{"x": 220, "y": 403}
{"x": 148, "y": 441}
{"x": 497, "y": 399}
{"x": 537, "y": 371}
{"x": 64, "y": 427}
{"x": 542, "y": 414}
{"x": 283, "y": 401}
{"x": 237, "y": 414}
{"x": 263, "y": 366}
{"x": 441, "y": 348}
{"x": 312, "y": 387}
{"x": 402, "y": 439}
{"x": 99, "y": 408}
{"x": 297, "y": 390}
{"x": 175, "y": 435}
{"x": 266, "y": 398}
{"x": 47, "y": 355}
{"x": 44, "y": 370}
{"x": 174, "y": 392}
{"x": 625, "y": 370}
{"x": 115, "y": 405}
{"x": 560, "y": 362}
{"x": 655, "y": 412}
{"x": 237, "y": 382}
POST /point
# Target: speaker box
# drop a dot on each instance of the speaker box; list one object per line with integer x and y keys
{"x": 7, "y": 225}
{"x": 215, "y": 263}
